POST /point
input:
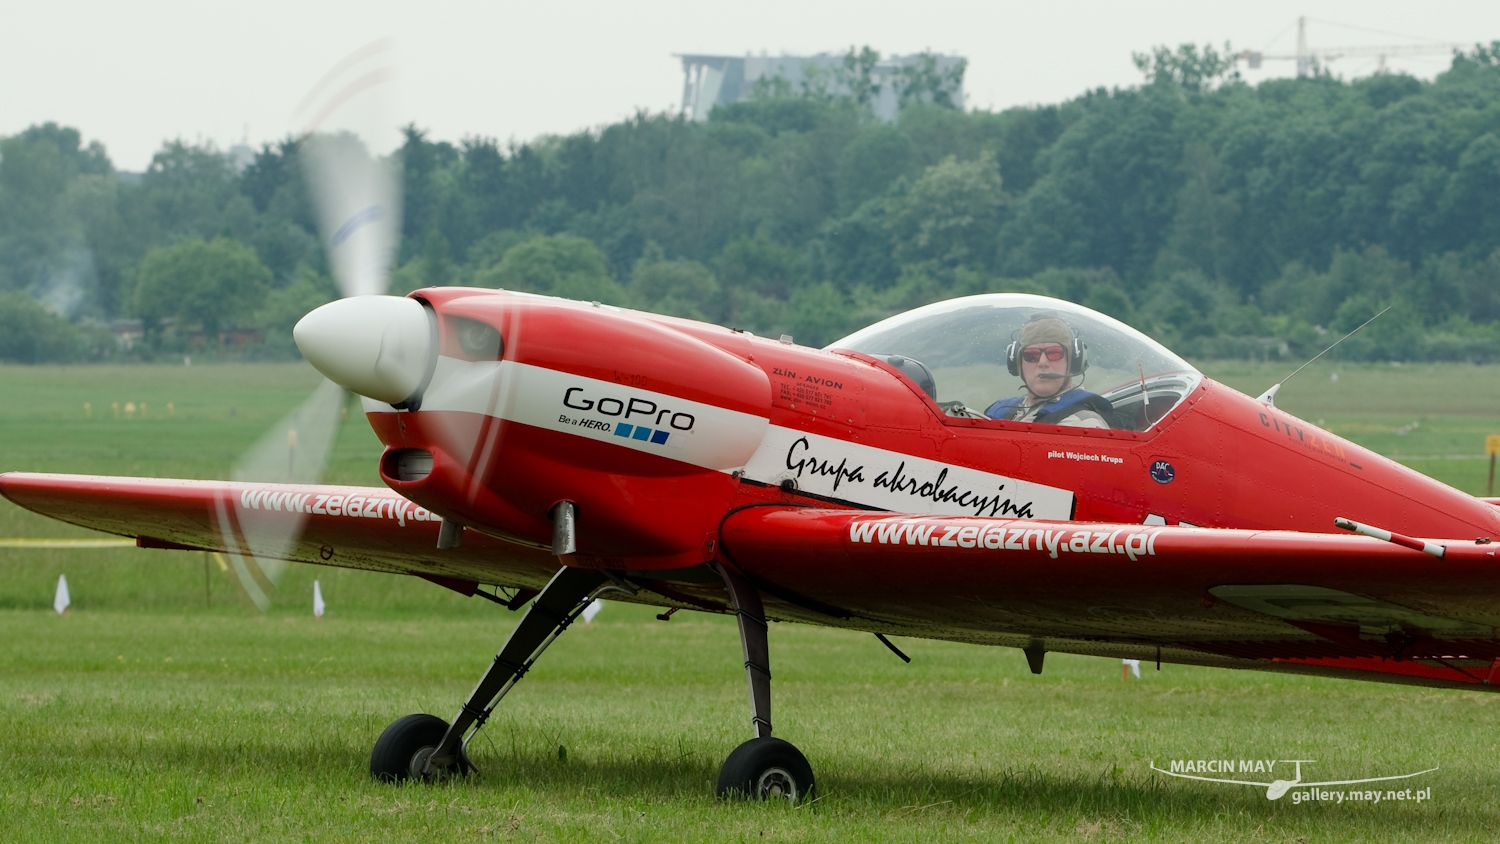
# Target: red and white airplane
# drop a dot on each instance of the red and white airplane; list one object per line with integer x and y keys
{"x": 565, "y": 450}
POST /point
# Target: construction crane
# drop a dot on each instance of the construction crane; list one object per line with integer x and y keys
{"x": 1306, "y": 58}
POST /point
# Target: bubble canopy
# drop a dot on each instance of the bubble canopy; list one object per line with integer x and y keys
{"x": 956, "y": 352}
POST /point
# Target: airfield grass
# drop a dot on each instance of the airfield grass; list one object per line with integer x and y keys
{"x": 165, "y": 706}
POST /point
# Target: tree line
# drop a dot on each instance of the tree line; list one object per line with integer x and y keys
{"x": 1225, "y": 219}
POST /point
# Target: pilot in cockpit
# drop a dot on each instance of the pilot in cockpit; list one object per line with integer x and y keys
{"x": 1048, "y": 357}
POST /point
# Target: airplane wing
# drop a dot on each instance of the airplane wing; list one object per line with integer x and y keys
{"x": 1329, "y": 604}
{"x": 1332, "y": 604}
{"x": 352, "y": 527}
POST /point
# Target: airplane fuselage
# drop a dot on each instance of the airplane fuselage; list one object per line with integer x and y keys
{"x": 657, "y": 427}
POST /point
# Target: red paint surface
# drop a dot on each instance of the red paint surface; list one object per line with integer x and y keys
{"x": 1271, "y": 482}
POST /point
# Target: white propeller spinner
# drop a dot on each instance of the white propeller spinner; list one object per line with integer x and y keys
{"x": 376, "y": 346}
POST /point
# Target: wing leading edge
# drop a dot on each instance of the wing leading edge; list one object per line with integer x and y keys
{"x": 352, "y": 527}
{"x": 1336, "y": 605}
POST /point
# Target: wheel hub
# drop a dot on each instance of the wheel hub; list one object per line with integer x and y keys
{"x": 419, "y": 763}
{"x": 777, "y": 783}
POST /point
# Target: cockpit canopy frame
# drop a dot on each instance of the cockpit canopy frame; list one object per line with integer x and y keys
{"x": 955, "y": 351}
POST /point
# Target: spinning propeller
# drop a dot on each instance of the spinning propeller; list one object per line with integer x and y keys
{"x": 358, "y": 202}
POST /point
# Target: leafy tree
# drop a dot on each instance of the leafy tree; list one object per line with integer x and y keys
{"x": 776, "y": 112}
{"x": 922, "y": 81}
{"x": 1202, "y": 233}
{"x": 557, "y": 265}
{"x": 285, "y": 234}
{"x": 1073, "y": 283}
{"x": 696, "y": 203}
{"x": 190, "y": 191}
{"x": 1180, "y": 309}
{"x": 489, "y": 184}
{"x": 949, "y": 216}
{"x": 1189, "y": 67}
{"x": 760, "y": 265}
{"x": 216, "y": 284}
{"x": 1228, "y": 218}
{"x": 1106, "y": 195}
{"x": 276, "y": 168}
{"x": 1471, "y": 200}
{"x": 1108, "y": 297}
{"x": 818, "y": 314}
{"x": 1460, "y": 339}
{"x": 48, "y": 180}
{"x": 488, "y": 251}
{"x": 283, "y": 307}
{"x": 680, "y": 288}
{"x": 1396, "y": 335}
{"x": 857, "y": 249}
{"x": 856, "y": 75}
{"x": 285, "y": 248}
{"x": 422, "y": 163}
{"x": 29, "y": 333}
{"x": 870, "y": 162}
{"x": 432, "y": 268}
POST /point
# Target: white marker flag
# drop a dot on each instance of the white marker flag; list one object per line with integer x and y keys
{"x": 592, "y": 610}
{"x": 318, "y": 604}
{"x": 62, "y": 600}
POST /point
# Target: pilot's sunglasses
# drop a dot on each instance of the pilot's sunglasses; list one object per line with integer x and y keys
{"x": 1053, "y": 353}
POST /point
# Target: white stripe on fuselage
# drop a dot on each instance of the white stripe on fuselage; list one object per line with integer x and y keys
{"x": 644, "y": 420}
{"x": 727, "y": 440}
{"x": 889, "y": 480}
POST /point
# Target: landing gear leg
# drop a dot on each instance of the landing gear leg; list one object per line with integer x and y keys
{"x": 424, "y": 746}
{"x": 764, "y": 767}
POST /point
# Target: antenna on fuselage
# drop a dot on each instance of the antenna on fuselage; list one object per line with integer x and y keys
{"x": 1269, "y": 396}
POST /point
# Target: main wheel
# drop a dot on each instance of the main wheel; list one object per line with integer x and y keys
{"x": 765, "y": 769}
{"x": 402, "y": 750}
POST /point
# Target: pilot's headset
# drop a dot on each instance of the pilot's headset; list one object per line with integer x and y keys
{"x": 1044, "y": 327}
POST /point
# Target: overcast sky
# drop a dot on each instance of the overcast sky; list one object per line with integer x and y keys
{"x": 136, "y": 73}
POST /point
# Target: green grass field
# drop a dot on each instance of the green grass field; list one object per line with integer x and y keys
{"x": 164, "y": 706}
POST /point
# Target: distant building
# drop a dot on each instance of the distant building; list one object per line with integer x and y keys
{"x": 714, "y": 80}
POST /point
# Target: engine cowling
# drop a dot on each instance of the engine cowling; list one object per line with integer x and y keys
{"x": 535, "y": 401}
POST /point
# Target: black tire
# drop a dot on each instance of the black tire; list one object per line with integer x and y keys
{"x": 396, "y": 750}
{"x": 766, "y": 768}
